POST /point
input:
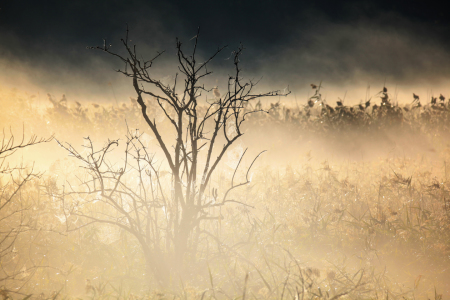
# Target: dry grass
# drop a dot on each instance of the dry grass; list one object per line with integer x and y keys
{"x": 321, "y": 229}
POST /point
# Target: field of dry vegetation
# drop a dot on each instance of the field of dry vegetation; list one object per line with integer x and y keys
{"x": 349, "y": 202}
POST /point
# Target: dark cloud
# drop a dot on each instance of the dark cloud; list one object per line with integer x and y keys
{"x": 289, "y": 42}
{"x": 388, "y": 46}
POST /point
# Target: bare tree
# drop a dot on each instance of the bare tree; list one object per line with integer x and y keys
{"x": 166, "y": 217}
{"x": 15, "y": 216}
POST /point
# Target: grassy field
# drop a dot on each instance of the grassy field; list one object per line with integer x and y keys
{"x": 348, "y": 203}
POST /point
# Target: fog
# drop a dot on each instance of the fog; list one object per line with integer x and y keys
{"x": 346, "y": 202}
{"x": 376, "y": 50}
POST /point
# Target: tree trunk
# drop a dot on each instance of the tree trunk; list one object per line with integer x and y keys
{"x": 158, "y": 267}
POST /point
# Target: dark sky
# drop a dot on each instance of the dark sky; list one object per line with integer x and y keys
{"x": 288, "y": 42}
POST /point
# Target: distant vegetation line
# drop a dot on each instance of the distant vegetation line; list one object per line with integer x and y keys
{"x": 318, "y": 116}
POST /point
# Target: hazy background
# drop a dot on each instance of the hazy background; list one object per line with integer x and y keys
{"x": 348, "y": 45}
{"x": 353, "y": 47}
